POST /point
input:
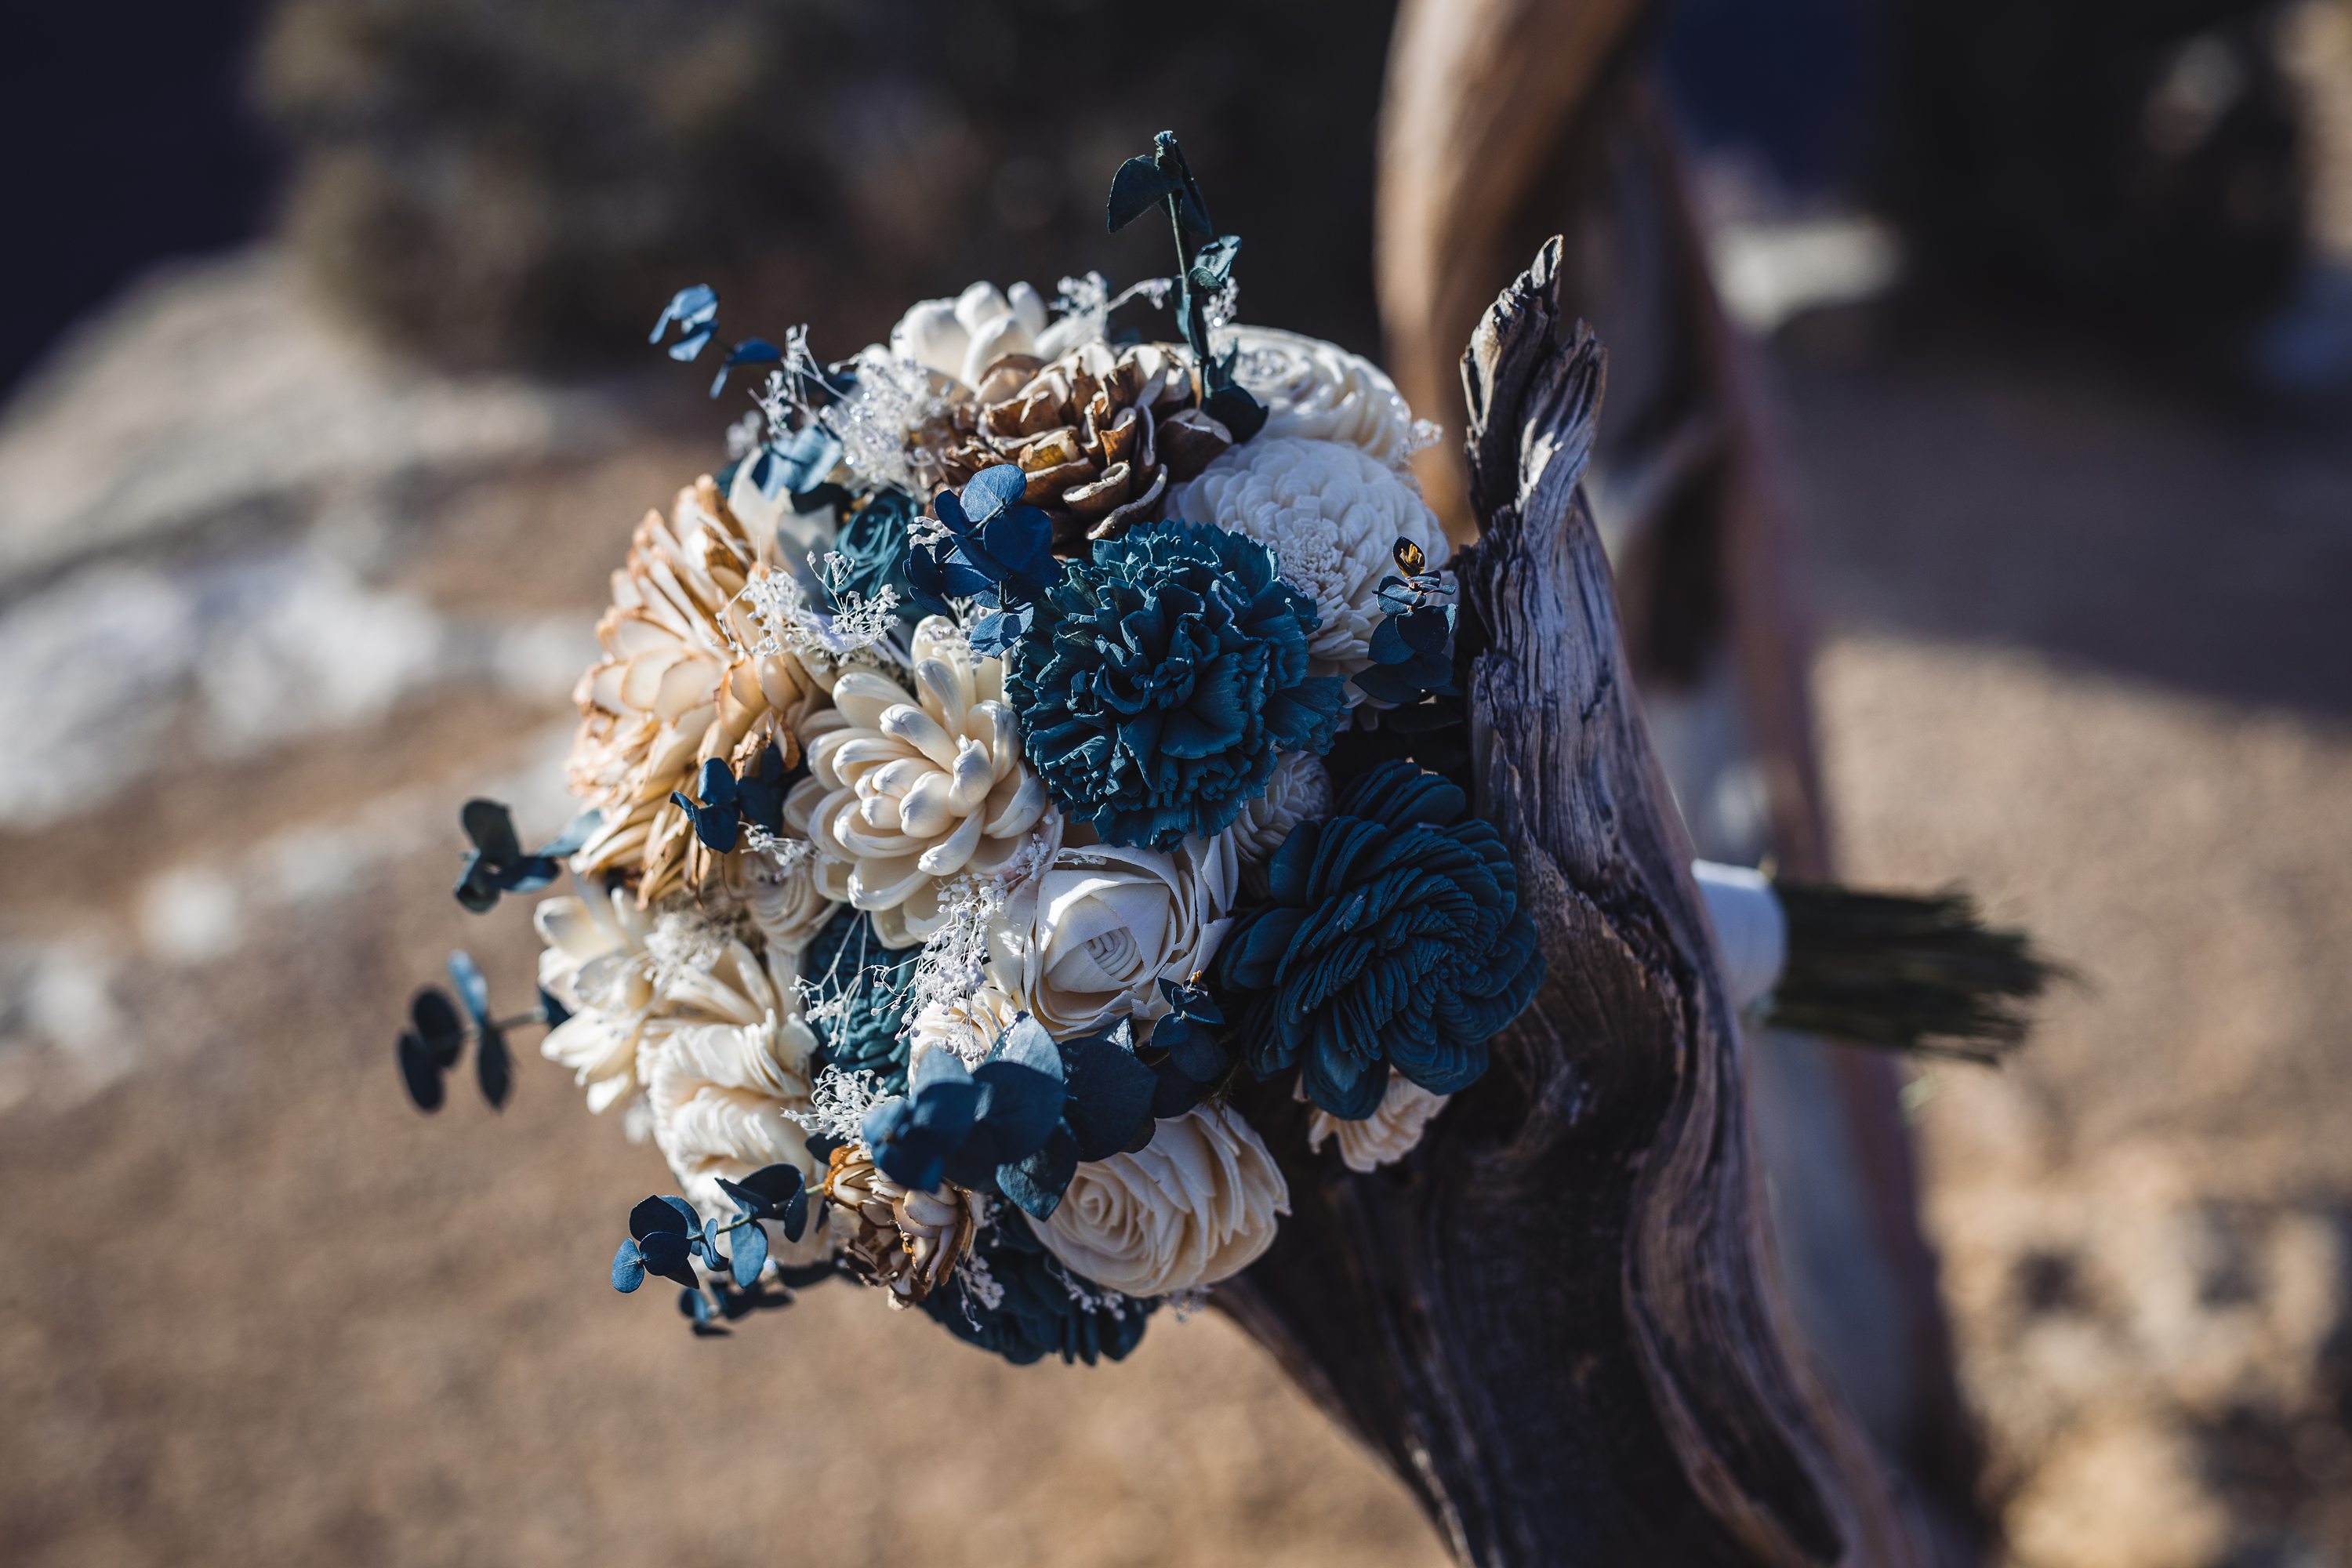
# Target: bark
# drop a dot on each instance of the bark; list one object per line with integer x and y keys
{"x": 1556, "y": 1318}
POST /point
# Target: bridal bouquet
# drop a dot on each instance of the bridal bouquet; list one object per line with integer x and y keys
{"x": 1035, "y": 729}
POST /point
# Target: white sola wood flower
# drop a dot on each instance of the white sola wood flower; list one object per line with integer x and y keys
{"x": 909, "y": 789}
{"x": 1332, "y": 515}
{"x": 597, "y": 966}
{"x": 724, "y": 1099}
{"x": 677, "y": 1003}
{"x": 963, "y": 336}
{"x": 1197, "y": 1204}
{"x": 1090, "y": 939}
{"x": 1320, "y": 391}
{"x": 1386, "y": 1136}
{"x": 1299, "y": 791}
{"x": 967, "y": 1026}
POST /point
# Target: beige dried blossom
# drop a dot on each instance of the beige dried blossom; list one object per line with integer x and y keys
{"x": 682, "y": 679}
{"x": 905, "y": 1241}
{"x": 1100, "y": 432}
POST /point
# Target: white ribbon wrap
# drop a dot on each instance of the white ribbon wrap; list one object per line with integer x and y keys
{"x": 1751, "y": 926}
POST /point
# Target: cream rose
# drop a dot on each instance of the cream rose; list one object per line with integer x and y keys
{"x": 1386, "y": 1136}
{"x": 1320, "y": 391}
{"x": 1090, "y": 939}
{"x": 1199, "y": 1203}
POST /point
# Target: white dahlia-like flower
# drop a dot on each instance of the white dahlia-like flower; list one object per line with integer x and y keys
{"x": 1197, "y": 1204}
{"x": 681, "y": 680}
{"x": 967, "y": 1024}
{"x": 909, "y": 789}
{"x": 1299, "y": 791}
{"x": 677, "y": 1003}
{"x": 1386, "y": 1136}
{"x": 724, "y": 1099}
{"x": 632, "y": 978}
{"x": 963, "y": 336}
{"x": 1089, "y": 940}
{"x": 596, "y": 964}
{"x": 1321, "y": 392}
{"x": 1332, "y": 515}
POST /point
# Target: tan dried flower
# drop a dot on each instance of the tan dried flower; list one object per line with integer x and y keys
{"x": 681, "y": 680}
{"x": 906, "y": 1241}
{"x": 1101, "y": 434}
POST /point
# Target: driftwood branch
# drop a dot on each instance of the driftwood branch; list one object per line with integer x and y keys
{"x": 1506, "y": 120}
{"x": 1556, "y": 1319}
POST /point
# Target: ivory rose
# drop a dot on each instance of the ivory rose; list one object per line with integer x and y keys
{"x": 1090, "y": 939}
{"x": 1199, "y": 1203}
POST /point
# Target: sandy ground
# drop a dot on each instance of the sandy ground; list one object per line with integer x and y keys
{"x": 2083, "y": 650}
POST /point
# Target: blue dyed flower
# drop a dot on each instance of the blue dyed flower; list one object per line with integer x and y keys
{"x": 873, "y": 547}
{"x": 1159, "y": 680}
{"x": 1037, "y": 1314}
{"x": 989, "y": 546}
{"x": 863, "y": 993}
{"x": 1393, "y": 938}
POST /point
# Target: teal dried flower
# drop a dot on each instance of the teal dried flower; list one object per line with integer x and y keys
{"x": 863, "y": 990}
{"x": 1038, "y": 1313}
{"x": 1392, "y": 938}
{"x": 1159, "y": 680}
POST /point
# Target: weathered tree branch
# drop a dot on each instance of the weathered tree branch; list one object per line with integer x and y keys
{"x": 1506, "y": 120}
{"x": 1556, "y": 1318}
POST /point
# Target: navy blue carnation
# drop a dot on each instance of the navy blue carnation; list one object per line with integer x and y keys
{"x": 1392, "y": 938}
{"x": 1038, "y": 1316}
{"x": 1159, "y": 678}
{"x": 863, "y": 994}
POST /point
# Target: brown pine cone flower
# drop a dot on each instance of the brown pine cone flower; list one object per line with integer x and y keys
{"x": 1102, "y": 433}
{"x": 906, "y": 1241}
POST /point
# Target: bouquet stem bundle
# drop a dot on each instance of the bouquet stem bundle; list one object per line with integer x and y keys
{"x": 1925, "y": 974}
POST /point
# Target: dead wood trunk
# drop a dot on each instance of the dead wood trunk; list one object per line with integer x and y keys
{"x": 1555, "y": 1319}
{"x": 1509, "y": 120}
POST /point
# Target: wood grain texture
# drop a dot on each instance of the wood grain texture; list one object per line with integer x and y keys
{"x": 1555, "y": 1318}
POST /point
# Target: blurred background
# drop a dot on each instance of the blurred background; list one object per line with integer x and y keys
{"x": 327, "y": 411}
